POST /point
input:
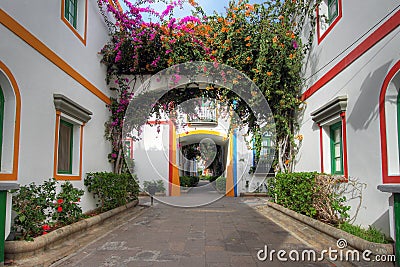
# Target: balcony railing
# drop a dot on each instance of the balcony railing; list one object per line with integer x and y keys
{"x": 204, "y": 115}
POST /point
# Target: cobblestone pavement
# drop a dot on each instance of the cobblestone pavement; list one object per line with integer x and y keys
{"x": 228, "y": 232}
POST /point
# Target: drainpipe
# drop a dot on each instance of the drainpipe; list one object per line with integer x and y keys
{"x": 4, "y": 188}
{"x": 394, "y": 189}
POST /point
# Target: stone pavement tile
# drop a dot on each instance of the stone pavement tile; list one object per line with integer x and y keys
{"x": 214, "y": 248}
{"x": 242, "y": 261}
{"x": 178, "y": 246}
{"x": 192, "y": 261}
{"x": 218, "y": 256}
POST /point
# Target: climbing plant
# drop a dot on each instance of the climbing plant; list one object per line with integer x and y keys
{"x": 263, "y": 41}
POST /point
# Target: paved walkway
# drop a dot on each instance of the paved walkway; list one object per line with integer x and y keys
{"x": 228, "y": 232}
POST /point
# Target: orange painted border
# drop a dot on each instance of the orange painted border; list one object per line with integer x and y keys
{"x": 392, "y": 179}
{"x": 229, "y": 185}
{"x": 344, "y": 136}
{"x": 320, "y": 38}
{"x": 17, "y": 126}
{"x": 174, "y": 181}
{"x": 387, "y": 27}
{"x": 55, "y": 174}
{"x": 81, "y": 38}
{"x": 40, "y": 47}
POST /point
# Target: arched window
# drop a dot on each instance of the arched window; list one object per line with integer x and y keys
{"x": 10, "y": 110}
{"x": 389, "y": 112}
{"x": 1, "y": 122}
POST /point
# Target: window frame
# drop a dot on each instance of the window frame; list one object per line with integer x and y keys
{"x": 81, "y": 18}
{"x": 2, "y": 100}
{"x": 398, "y": 121}
{"x": 332, "y": 16}
{"x": 67, "y": 13}
{"x": 71, "y": 147}
{"x": 332, "y": 129}
{"x": 325, "y": 21}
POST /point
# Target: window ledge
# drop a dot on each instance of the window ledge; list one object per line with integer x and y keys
{"x": 389, "y": 188}
{"x": 71, "y": 108}
{"x": 334, "y": 107}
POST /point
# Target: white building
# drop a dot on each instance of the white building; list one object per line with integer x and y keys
{"x": 160, "y": 153}
{"x": 53, "y": 93}
{"x": 351, "y": 121}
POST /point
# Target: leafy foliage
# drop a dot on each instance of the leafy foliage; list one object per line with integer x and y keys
{"x": 112, "y": 190}
{"x": 262, "y": 41}
{"x": 38, "y": 206}
{"x": 220, "y": 184}
{"x": 294, "y": 191}
{"x": 371, "y": 234}
{"x": 189, "y": 181}
{"x": 67, "y": 205}
{"x": 159, "y": 185}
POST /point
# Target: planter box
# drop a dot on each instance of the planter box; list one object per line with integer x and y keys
{"x": 19, "y": 250}
{"x": 353, "y": 241}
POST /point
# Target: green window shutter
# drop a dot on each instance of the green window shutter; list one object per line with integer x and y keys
{"x": 71, "y": 11}
{"x": 333, "y": 9}
{"x": 1, "y": 121}
{"x": 75, "y": 13}
{"x": 65, "y": 147}
{"x": 336, "y": 148}
{"x": 398, "y": 122}
{"x": 66, "y": 9}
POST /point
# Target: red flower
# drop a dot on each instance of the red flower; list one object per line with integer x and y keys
{"x": 44, "y": 233}
{"x": 45, "y": 227}
{"x": 59, "y": 209}
{"x": 60, "y": 201}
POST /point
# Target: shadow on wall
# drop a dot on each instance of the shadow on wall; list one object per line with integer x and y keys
{"x": 366, "y": 107}
{"x": 382, "y": 223}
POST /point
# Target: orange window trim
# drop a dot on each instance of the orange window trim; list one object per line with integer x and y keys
{"x": 81, "y": 38}
{"x": 14, "y": 175}
{"x": 55, "y": 174}
{"x": 40, "y": 47}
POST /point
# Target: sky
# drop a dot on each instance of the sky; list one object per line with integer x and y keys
{"x": 209, "y": 6}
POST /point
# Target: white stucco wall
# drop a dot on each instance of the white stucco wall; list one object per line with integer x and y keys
{"x": 38, "y": 79}
{"x": 151, "y": 155}
{"x": 361, "y": 82}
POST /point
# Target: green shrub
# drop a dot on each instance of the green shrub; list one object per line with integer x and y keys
{"x": 371, "y": 234}
{"x": 189, "y": 181}
{"x": 220, "y": 183}
{"x": 112, "y": 190}
{"x": 294, "y": 191}
{"x": 32, "y": 203}
{"x": 39, "y": 209}
{"x": 159, "y": 184}
{"x": 206, "y": 177}
{"x": 67, "y": 209}
{"x": 312, "y": 194}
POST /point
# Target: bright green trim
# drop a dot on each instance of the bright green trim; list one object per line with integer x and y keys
{"x": 333, "y": 128}
{"x": 71, "y": 143}
{"x": 71, "y": 17}
{"x": 3, "y": 200}
{"x": 1, "y": 121}
{"x": 396, "y": 208}
{"x": 398, "y": 122}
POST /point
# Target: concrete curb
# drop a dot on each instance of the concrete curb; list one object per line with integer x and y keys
{"x": 21, "y": 249}
{"x": 353, "y": 241}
